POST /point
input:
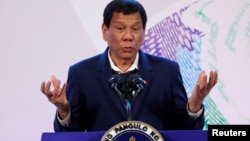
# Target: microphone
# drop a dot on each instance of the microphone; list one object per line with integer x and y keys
{"x": 136, "y": 83}
{"x": 115, "y": 82}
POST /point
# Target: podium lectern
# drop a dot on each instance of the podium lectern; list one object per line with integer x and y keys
{"x": 173, "y": 135}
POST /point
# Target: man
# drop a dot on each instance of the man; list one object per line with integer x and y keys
{"x": 88, "y": 102}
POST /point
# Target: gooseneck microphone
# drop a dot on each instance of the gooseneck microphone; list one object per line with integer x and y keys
{"x": 127, "y": 86}
{"x": 115, "y": 83}
{"x": 136, "y": 83}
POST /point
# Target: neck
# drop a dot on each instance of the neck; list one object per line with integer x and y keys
{"x": 123, "y": 65}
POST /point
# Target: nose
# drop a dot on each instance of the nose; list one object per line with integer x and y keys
{"x": 128, "y": 35}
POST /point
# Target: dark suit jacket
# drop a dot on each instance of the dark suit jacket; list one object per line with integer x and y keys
{"x": 96, "y": 107}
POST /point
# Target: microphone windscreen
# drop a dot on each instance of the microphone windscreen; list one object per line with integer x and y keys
{"x": 114, "y": 79}
{"x": 134, "y": 79}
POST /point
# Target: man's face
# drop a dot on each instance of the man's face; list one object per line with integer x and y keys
{"x": 124, "y": 35}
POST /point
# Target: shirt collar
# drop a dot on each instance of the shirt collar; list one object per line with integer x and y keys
{"x": 132, "y": 67}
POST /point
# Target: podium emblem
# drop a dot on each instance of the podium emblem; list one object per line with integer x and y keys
{"x": 132, "y": 131}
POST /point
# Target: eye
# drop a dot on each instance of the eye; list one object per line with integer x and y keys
{"x": 136, "y": 28}
{"x": 120, "y": 28}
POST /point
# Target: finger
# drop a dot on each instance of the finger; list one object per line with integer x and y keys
{"x": 212, "y": 79}
{"x": 47, "y": 91}
{"x": 196, "y": 97}
{"x": 196, "y": 90}
{"x": 53, "y": 78}
{"x": 202, "y": 92}
{"x": 57, "y": 88}
{"x": 203, "y": 80}
{"x": 215, "y": 77}
{"x": 56, "y": 84}
{"x": 63, "y": 90}
{"x": 42, "y": 87}
{"x": 201, "y": 75}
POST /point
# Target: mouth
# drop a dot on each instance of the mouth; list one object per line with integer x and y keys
{"x": 127, "y": 49}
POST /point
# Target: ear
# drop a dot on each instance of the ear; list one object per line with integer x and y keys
{"x": 104, "y": 32}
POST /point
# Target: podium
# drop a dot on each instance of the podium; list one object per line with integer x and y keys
{"x": 172, "y": 135}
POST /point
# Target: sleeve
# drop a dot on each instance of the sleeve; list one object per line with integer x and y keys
{"x": 76, "y": 120}
{"x": 183, "y": 118}
{"x": 65, "y": 122}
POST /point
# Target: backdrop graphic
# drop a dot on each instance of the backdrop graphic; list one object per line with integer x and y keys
{"x": 209, "y": 35}
{"x": 40, "y": 38}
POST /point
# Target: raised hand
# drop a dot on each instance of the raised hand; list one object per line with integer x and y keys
{"x": 202, "y": 89}
{"x": 57, "y": 95}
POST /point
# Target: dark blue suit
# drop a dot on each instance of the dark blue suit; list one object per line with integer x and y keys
{"x": 95, "y": 106}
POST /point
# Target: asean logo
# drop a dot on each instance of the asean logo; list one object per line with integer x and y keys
{"x": 132, "y": 131}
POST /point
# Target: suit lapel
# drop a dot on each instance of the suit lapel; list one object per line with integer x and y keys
{"x": 105, "y": 71}
{"x": 145, "y": 71}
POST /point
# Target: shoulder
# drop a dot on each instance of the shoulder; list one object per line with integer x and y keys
{"x": 160, "y": 61}
{"x": 88, "y": 63}
{"x": 98, "y": 60}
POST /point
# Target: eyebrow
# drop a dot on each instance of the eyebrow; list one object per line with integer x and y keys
{"x": 136, "y": 23}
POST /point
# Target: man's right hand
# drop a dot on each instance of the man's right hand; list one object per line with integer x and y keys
{"x": 57, "y": 96}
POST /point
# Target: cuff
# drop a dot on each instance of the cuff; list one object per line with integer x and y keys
{"x": 195, "y": 115}
{"x": 64, "y": 122}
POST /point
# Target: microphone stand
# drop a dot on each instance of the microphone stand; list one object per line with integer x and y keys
{"x": 130, "y": 99}
{"x": 126, "y": 102}
{"x": 128, "y": 108}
